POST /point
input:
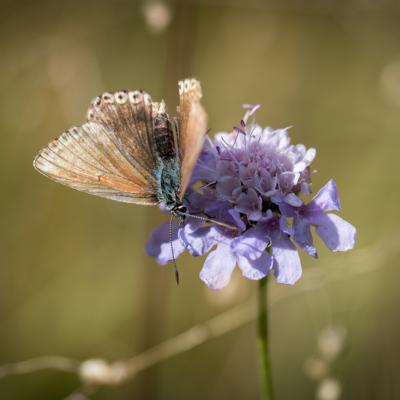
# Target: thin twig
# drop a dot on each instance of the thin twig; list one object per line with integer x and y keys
{"x": 39, "y": 363}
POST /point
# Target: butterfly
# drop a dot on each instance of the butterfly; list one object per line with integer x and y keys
{"x": 130, "y": 150}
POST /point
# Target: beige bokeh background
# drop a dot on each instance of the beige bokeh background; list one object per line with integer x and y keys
{"x": 74, "y": 277}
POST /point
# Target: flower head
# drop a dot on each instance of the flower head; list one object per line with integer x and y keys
{"x": 254, "y": 180}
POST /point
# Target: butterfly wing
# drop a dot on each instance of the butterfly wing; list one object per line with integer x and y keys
{"x": 192, "y": 120}
{"x": 111, "y": 155}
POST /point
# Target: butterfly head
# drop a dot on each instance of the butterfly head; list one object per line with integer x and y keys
{"x": 178, "y": 210}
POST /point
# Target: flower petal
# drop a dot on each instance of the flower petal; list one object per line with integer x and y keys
{"x": 218, "y": 267}
{"x": 250, "y": 110}
{"x": 305, "y": 188}
{"x": 287, "y": 180}
{"x": 236, "y": 217}
{"x": 284, "y": 208}
{"x": 250, "y": 204}
{"x": 251, "y": 244}
{"x": 293, "y": 200}
{"x": 198, "y": 241}
{"x": 310, "y": 155}
{"x": 227, "y": 185}
{"x": 287, "y": 265}
{"x": 255, "y": 269}
{"x": 264, "y": 183}
{"x": 337, "y": 234}
{"x": 299, "y": 166}
{"x": 284, "y": 227}
{"x": 302, "y": 235}
{"x": 222, "y": 211}
{"x": 159, "y": 245}
{"x": 325, "y": 200}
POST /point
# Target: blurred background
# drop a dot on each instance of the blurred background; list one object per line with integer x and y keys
{"x": 74, "y": 277}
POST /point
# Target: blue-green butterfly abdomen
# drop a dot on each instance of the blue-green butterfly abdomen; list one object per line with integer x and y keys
{"x": 168, "y": 179}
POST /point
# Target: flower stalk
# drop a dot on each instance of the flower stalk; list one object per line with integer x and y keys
{"x": 263, "y": 341}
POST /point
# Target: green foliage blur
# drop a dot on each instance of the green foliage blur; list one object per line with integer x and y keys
{"x": 74, "y": 277}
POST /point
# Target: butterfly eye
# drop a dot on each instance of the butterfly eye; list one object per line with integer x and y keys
{"x": 121, "y": 97}
{"x": 182, "y": 209}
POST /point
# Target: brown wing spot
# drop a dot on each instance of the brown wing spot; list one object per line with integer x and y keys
{"x": 186, "y": 85}
{"x": 134, "y": 97}
{"x": 90, "y": 115}
{"x": 121, "y": 97}
{"x": 65, "y": 139}
{"x": 108, "y": 98}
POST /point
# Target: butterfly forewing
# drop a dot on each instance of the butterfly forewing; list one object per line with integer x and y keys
{"x": 112, "y": 155}
{"x": 192, "y": 128}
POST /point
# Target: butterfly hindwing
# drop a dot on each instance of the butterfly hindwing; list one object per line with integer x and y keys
{"x": 192, "y": 121}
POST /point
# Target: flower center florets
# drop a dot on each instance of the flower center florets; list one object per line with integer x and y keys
{"x": 255, "y": 170}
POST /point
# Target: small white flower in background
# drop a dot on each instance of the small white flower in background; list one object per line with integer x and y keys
{"x": 100, "y": 372}
{"x": 316, "y": 368}
{"x": 329, "y": 389}
{"x": 331, "y": 342}
{"x": 157, "y": 15}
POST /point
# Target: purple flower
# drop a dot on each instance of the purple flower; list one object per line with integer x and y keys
{"x": 254, "y": 180}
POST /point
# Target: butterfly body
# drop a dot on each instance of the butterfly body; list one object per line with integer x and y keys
{"x": 167, "y": 170}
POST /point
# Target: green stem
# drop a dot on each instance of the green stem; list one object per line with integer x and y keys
{"x": 265, "y": 363}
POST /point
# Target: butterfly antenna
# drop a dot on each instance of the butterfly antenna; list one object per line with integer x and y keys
{"x": 172, "y": 251}
{"x": 213, "y": 221}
